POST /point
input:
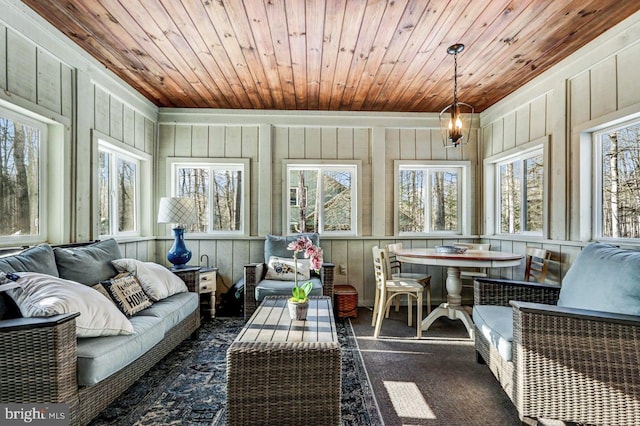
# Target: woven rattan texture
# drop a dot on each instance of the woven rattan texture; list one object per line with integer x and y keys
{"x": 500, "y": 292}
{"x": 346, "y": 298}
{"x": 254, "y": 273}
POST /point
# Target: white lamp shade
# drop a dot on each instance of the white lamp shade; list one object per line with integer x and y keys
{"x": 179, "y": 210}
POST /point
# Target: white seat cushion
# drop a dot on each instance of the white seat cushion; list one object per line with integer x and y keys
{"x": 496, "y": 325}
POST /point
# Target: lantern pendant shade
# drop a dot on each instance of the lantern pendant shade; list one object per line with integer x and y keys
{"x": 455, "y": 119}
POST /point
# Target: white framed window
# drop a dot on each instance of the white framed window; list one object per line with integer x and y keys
{"x": 431, "y": 197}
{"x": 23, "y": 187}
{"x": 617, "y": 182}
{"x": 119, "y": 181}
{"x": 219, "y": 188}
{"x": 520, "y": 189}
{"x": 515, "y": 190}
{"x": 321, "y": 197}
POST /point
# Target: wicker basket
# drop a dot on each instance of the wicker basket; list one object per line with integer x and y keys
{"x": 346, "y": 301}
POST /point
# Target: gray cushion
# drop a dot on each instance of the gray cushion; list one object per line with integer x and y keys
{"x": 35, "y": 259}
{"x": 173, "y": 309}
{"x": 603, "y": 278}
{"x": 88, "y": 264}
{"x": 100, "y": 357}
{"x": 283, "y": 288}
{"x": 276, "y": 245}
{"x": 496, "y": 326}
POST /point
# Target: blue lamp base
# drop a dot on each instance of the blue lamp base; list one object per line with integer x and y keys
{"x": 179, "y": 254}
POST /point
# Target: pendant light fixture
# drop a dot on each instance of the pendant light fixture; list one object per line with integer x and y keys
{"x": 455, "y": 119}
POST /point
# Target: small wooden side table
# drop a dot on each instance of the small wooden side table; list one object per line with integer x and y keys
{"x": 208, "y": 279}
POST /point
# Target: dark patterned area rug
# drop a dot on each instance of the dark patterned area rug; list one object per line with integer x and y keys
{"x": 188, "y": 386}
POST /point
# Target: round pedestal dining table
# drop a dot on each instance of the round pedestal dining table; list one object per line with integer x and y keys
{"x": 453, "y": 308}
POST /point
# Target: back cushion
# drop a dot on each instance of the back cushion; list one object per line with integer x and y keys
{"x": 88, "y": 264}
{"x": 35, "y": 259}
{"x": 603, "y": 278}
{"x": 276, "y": 245}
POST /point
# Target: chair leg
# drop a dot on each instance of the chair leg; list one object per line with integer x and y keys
{"x": 409, "y": 310}
{"x": 382, "y": 307}
{"x": 397, "y": 306}
{"x": 428, "y": 288}
{"x": 419, "y": 316}
{"x": 375, "y": 307}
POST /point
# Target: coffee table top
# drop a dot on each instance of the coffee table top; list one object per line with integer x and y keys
{"x": 271, "y": 323}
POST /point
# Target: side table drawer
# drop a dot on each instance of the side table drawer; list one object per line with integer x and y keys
{"x": 207, "y": 284}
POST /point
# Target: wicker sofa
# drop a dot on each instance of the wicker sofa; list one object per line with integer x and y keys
{"x": 56, "y": 366}
{"x": 569, "y": 353}
{"x": 257, "y": 287}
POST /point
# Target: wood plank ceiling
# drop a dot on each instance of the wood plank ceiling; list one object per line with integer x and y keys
{"x": 353, "y": 55}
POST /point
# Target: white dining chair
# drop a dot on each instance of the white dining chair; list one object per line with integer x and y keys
{"x": 396, "y": 273}
{"x": 387, "y": 289}
{"x": 471, "y": 274}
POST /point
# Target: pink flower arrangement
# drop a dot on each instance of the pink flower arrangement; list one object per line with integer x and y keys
{"x": 311, "y": 252}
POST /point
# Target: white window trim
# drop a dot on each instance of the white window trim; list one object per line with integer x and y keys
{"x": 492, "y": 186}
{"x": 596, "y": 184}
{"x": 43, "y": 178}
{"x": 356, "y": 204}
{"x": 173, "y": 163}
{"x": 464, "y": 196}
{"x": 143, "y": 217}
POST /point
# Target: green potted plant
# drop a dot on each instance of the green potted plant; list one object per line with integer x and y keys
{"x": 298, "y": 304}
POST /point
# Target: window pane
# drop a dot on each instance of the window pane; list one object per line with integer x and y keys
{"x": 194, "y": 183}
{"x": 510, "y": 198}
{"x": 126, "y": 196}
{"x": 621, "y": 183}
{"x": 411, "y": 197}
{"x": 227, "y": 200}
{"x": 303, "y": 214}
{"x": 19, "y": 178}
{"x": 533, "y": 193}
{"x": 337, "y": 200}
{"x": 104, "y": 191}
{"x": 444, "y": 201}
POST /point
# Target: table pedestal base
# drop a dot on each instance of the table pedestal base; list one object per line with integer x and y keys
{"x": 452, "y": 312}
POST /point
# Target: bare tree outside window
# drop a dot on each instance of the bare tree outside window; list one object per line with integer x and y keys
{"x": 117, "y": 192}
{"x": 521, "y": 194}
{"x": 620, "y": 198}
{"x": 431, "y": 193}
{"x": 324, "y": 201}
{"x": 19, "y": 178}
{"x": 216, "y": 187}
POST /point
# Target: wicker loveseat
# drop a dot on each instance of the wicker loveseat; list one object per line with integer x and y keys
{"x": 42, "y": 359}
{"x": 257, "y": 286}
{"x": 569, "y": 353}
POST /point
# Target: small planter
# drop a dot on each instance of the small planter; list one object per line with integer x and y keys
{"x": 298, "y": 310}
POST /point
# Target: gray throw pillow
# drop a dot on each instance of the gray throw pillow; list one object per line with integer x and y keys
{"x": 35, "y": 259}
{"x": 88, "y": 264}
{"x": 603, "y": 278}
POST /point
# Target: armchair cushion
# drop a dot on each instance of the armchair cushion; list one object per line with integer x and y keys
{"x": 496, "y": 325}
{"x": 283, "y": 288}
{"x": 603, "y": 278}
{"x": 276, "y": 245}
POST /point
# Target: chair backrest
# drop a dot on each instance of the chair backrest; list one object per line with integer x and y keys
{"x": 380, "y": 265}
{"x": 537, "y": 264}
{"x": 276, "y": 245}
{"x": 474, "y": 246}
{"x": 391, "y": 254}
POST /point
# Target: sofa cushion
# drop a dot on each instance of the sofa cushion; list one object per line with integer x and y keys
{"x": 41, "y": 295}
{"x": 88, "y": 264}
{"x": 126, "y": 292}
{"x": 496, "y": 325}
{"x": 35, "y": 259}
{"x": 603, "y": 278}
{"x": 173, "y": 309}
{"x": 283, "y": 288}
{"x": 156, "y": 280}
{"x": 98, "y": 358}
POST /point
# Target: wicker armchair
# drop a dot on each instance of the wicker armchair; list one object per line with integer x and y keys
{"x": 569, "y": 364}
{"x": 254, "y": 273}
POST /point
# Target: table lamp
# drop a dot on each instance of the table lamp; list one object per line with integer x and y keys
{"x": 180, "y": 211}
